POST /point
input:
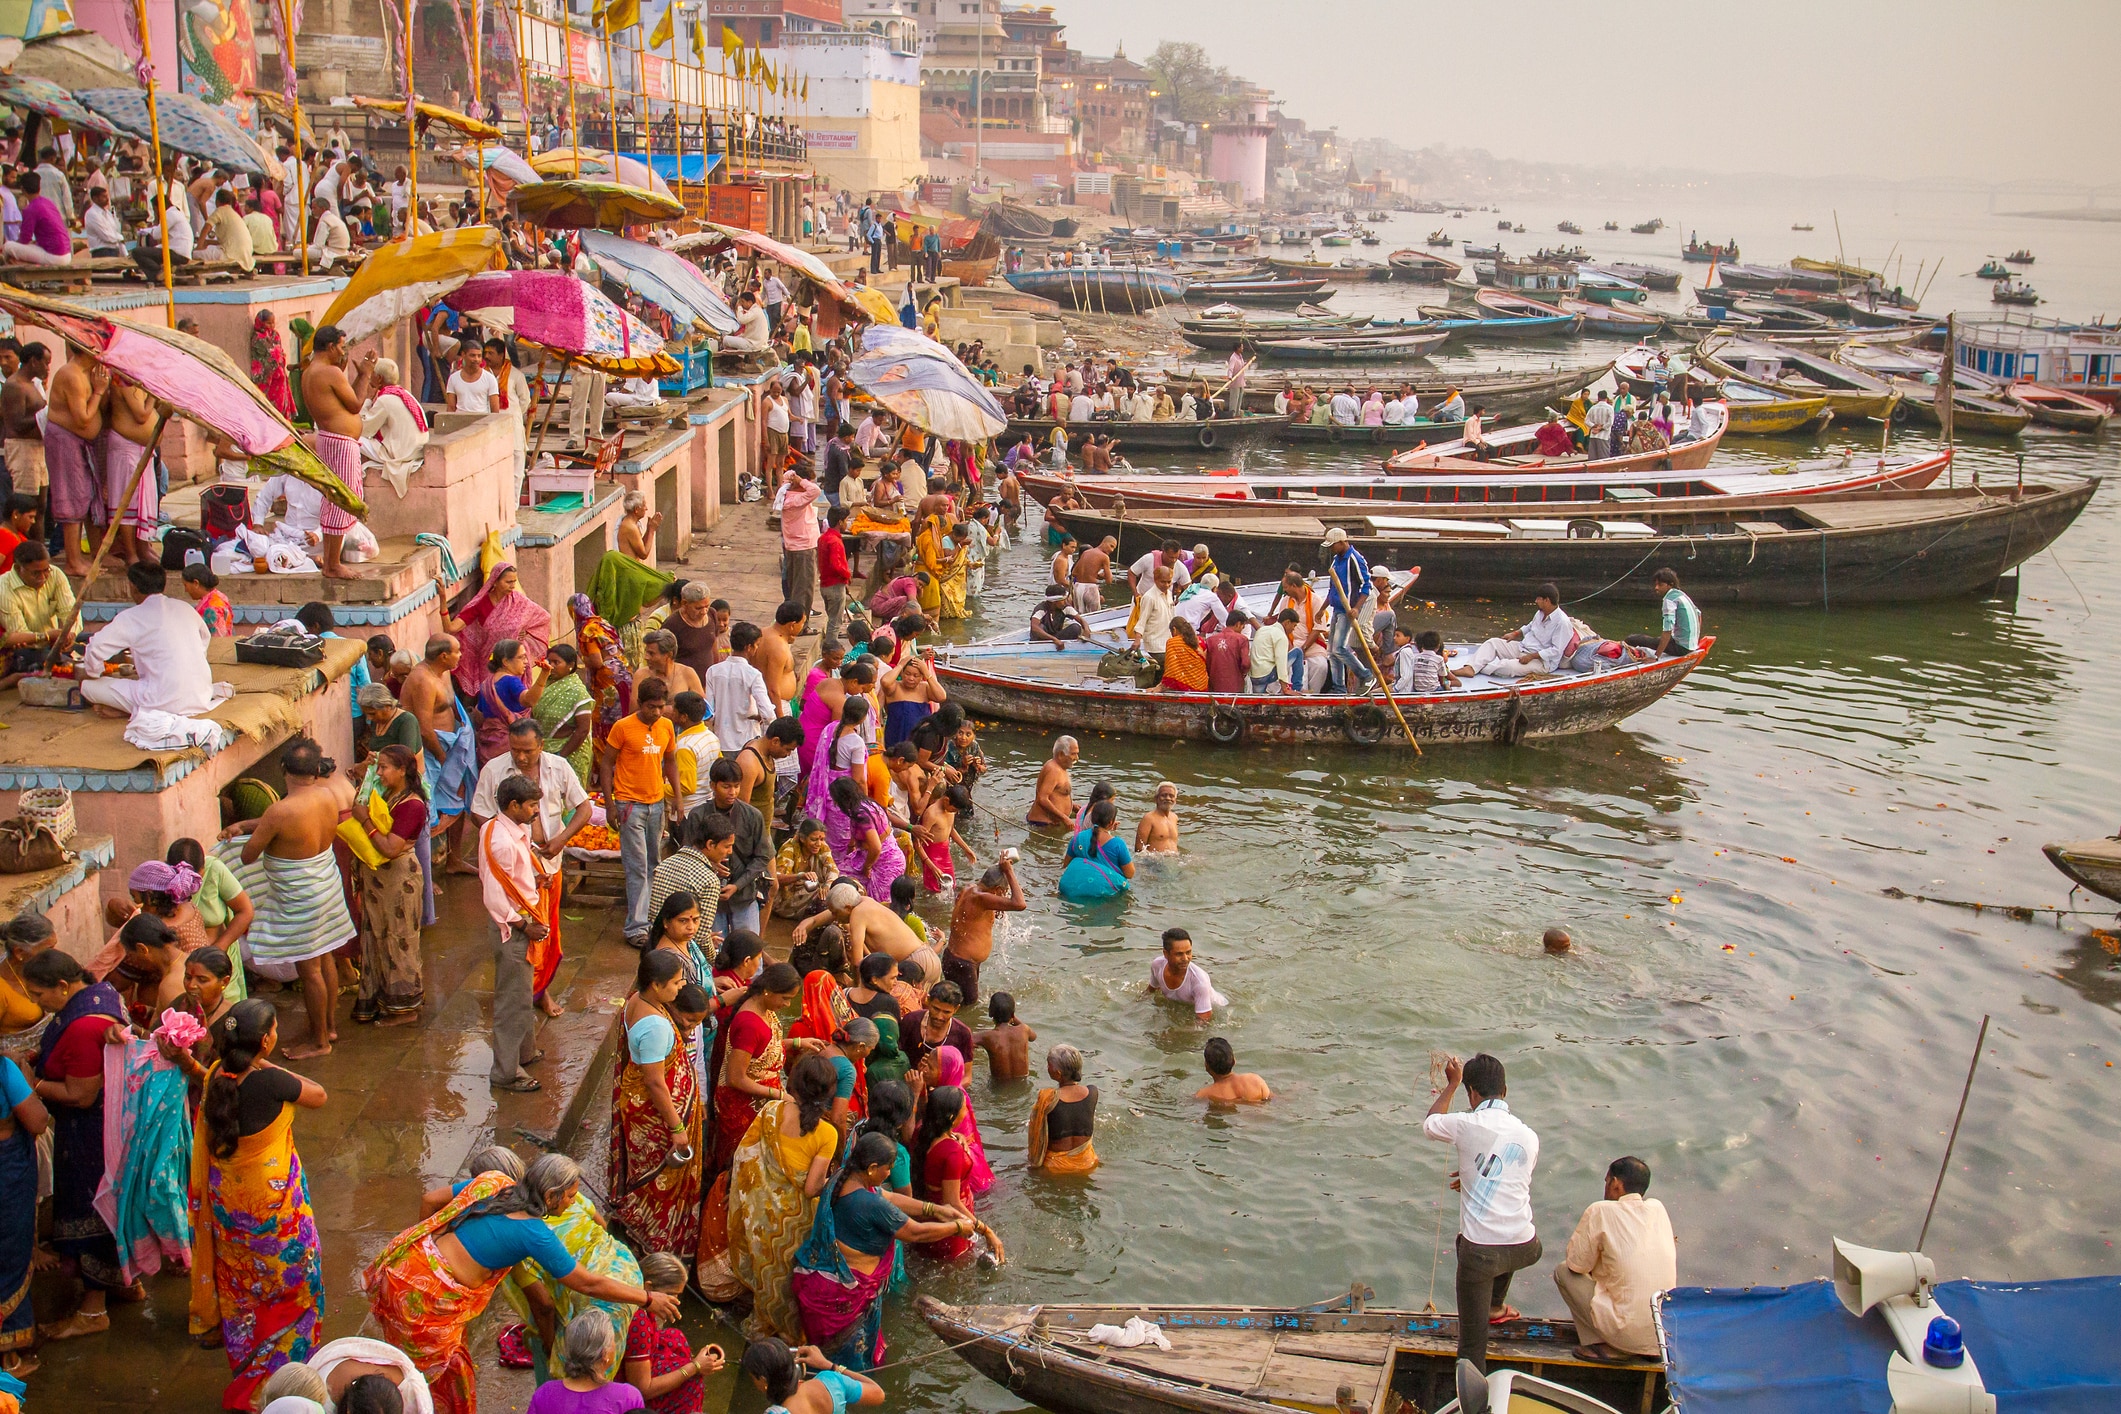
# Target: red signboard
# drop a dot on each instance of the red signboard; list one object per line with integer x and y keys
{"x": 579, "y": 50}
{"x": 655, "y": 77}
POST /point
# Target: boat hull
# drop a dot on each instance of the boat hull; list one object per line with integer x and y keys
{"x": 1405, "y": 435}
{"x": 1396, "y": 348}
{"x": 2094, "y": 864}
{"x": 1991, "y": 419}
{"x": 1502, "y": 396}
{"x": 2057, "y": 407}
{"x": 1221, "y": 433}
{"x": 1910, "y": 561}
{"x": 1098, "y": 289}
{"x": 1779, "y": 418}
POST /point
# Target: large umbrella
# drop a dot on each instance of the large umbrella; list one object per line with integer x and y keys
{"x": 788, "y": 255}
{"x": 188, "y": 125}
{"x": 631, "y": 171}
{"x": 554, "y": 309}
{"x": 663, "y": 279}
{"x": 43, "y": 96}
{"x": 874, "y": 303}
{"x": 923, "y": 382}
{"x": 585, "y": 204}
{"x": 194, "y": 378}
{"x": 402, "y": 278}
{"x": 434, "y": 113}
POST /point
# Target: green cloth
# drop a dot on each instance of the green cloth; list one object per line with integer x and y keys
{"x": 622, "y": 587}
{"x": 562, "y": 700}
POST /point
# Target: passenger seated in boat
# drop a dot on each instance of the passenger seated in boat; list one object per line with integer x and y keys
{"x": 1620, "y": 1256}
{"x": 1681, "y": 628}
{"x": 1700, "y": 425}
{"x": 1056, "y": 621}
{"x": 1538, "y": 647}
{"x": 1347, "y": 411}
{"x": 1418, "y": 666}
{"x": 1553, "y": 437}
{"x": 1644, "y": 439}
{"x": 1185, "y": 666}
{"x": 1452, "y": 408}
{"x": 1476, "y": 444}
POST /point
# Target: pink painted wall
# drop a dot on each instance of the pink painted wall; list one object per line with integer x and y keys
{"x": 461, "y": 490}
{"x": 76, "y": 916}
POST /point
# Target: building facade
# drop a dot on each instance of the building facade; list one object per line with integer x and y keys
{"x": 763, "y": 23}
{"x": 863, "y": 117}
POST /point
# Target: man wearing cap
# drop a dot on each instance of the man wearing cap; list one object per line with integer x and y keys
{"x": 1056, "y": 621}
{"x": 1348, "y": 586}
{"x": 1141, "y": 574}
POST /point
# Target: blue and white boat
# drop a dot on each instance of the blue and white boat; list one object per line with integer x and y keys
{"x": 1123, "y": 289}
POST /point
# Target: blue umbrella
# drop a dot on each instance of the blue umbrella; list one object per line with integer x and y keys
{"x": 667, "y": 280}
{"x": 189, "y": 126}
{"x": 43, "y": 96}
{"x": 923, "y": 382}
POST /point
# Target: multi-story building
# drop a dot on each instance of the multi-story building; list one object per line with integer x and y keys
{"x": 863, "y": 116}
{"x": 972, "y": 63}
{"x": 898, "y": 21}
{"x": 762, "y": 23}
{"x": 1110, "y": 102}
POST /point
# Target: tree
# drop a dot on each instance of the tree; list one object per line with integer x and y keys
{"x": 1196, "y": 90}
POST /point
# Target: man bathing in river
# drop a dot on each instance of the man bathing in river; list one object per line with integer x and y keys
{"x": 870, "y": 926}
{"x": 1053, "y": 798}
{"x": 1176, "y": 977}
{"x": 1225, "y": 1086}
{"x": 335, "y": 404}
{"x": 972, "y": 924}
{"x": 1158, "y": 831}
{"x": 1008, "y": 1041}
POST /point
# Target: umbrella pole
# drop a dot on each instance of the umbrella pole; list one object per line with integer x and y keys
{"x": 154, "y": 130}
{"x": 552, "y": 401}
{"x": 302, "y": 165}
{"x": 412, "y": 136}
{"x": 110, "y": 532}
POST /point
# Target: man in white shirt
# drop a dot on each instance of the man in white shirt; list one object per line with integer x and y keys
{"x": 305, "y": 505}
{"x": 698, "y": 748}
{"x": 1538, "y": 647}
{"x": 1151, "y": 626}
{"x": 1346, "y": 410}
{"x": 1699, "y": 424}
{"x": 1497, "y": 1152}
{"x": 100, "y": 223}
{"x": 1270, "y": 668}
{"x": 51, "y": 182}
{"x": 1598, "y": 428}
{"x": 1210, "y": 609}
{"x": 1081, "y": 408}
{"x": 735, "y": 690}
{"x": 167, "y": 640}
{"x": 1620, "y": 1256}
{"x": 563, "y": 806}
{"x": 472, "y": 388}
{"x": 1176, "y": 977}
{"x": 754, "y": 334}
{"x": 508, "y": 884}
{"x": 329, "y": 241}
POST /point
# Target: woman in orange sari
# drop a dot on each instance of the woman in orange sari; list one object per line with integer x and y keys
{"x": 748, "y": 1055}
{"x": 435, "y": 1278}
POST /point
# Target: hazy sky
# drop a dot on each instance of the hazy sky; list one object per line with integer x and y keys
{"x": 1942, "y": 89}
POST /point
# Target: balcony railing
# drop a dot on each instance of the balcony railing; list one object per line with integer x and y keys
{"x": 748, "y": 139}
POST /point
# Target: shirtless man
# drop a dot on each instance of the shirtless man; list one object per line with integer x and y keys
{"x": 775, "y": 658}
{"x": 1010, "y": 492}
{"x": 71, "y": 429}
{"x": 1064, "y": 561}
{"x": 335, "y": 405}
{"x": 870, "y": 926}
{"x": 432, "y": 701}
{"x": 1007, "y": 1042}
{"x": 303, "y": 918}
{"x": 1053, "y": 798}
{"x": 1158, "y": 831}
{"x": 1224, "y": 1087}
{"x": 659, "y": 660}
{"x": 130, "y": 423}
{"x": 1093, "y": 568}
{"x": 972, "y": 924}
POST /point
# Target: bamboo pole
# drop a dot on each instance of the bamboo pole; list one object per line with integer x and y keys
{"x": 110, "y": 532}
{"x": 412, "y": 136}
{"x": 478, "y": 95}
{"x": 304, "y": 166}
{"x": 574, "y": 124}
{"x": 611, "y": 102}
{"x": 515, "y": 9}
{"x": 1359, "y": 631}
{"x": 154, "y": 130}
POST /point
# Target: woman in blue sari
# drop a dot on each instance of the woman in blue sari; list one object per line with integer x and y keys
{"x": 70, "y": 1082}
{"x": 24, "y": 1120}
{"x": 1099, "y": 863}
{"x": 506, "y": 695}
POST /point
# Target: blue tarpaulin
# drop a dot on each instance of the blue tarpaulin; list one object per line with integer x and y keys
{"x": 2043, "y": 1347}
{"x": 695, "y": 167}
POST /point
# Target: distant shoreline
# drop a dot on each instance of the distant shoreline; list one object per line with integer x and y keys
{"x": 2081, "y": 213}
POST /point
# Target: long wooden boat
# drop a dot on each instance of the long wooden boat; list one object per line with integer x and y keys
{"x": 1774, "y": 315}
{"x": 1509, "y": 305}
{"x": 1346, "y": 271}
{"x": 1768, "y": 278}
{"x": 1834, "y": 549}
{"x": 1611, "y": 320}
{"x": 2095, "y": 864}
{"x": 1012, "y": 676}
{"x": 1504, "y": 393}
{"x": 972, "y": 264}
{"x": 1763, "y": 412}
{"x": 1130, "y": 289}
{"x": 1422, "y": 267}
{"x": 1516, "y": 449}
{"x": 1853, "y": 393}
{"x": 2058, "y": 407}
{"x": 1475, "y": 492}
{"x": 1971, "y": 412}
{"x": 1500, "y": 328}
{"x": 1404, "y": 434}
{"x": 1650, "y": 277}
{"x": 1385, "y": 348}
{"x": 1212, "y": 434}
{"x": 1252, "y": 1359}
{"x": 1269, "y": 292}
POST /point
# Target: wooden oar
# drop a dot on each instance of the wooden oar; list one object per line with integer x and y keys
{"x": 1384, "y": 683}
{"x": 110, "y": 532}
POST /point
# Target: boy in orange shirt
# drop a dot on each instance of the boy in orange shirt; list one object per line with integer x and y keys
{"x": 636, "y": 768}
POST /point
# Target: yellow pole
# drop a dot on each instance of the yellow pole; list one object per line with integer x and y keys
{"x": 574, "y": 124}
{"x": 522, "y": 83}
{"x": 305, "y": 165}
{"x": 154, "y": 130}
{"x": 478, "y": 95}
{"x": 640, "y": 86}
{"x": 611, "y": 103}
{"x": 412, "y": 136}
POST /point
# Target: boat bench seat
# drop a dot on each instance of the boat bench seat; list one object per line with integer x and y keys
{"x": 1761, "y": 527}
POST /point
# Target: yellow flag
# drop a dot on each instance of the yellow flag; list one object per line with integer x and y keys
{"x": 699, "y": 42}
{"x": 618, "y": 15}
{"x": 732, "y": 47}
{"x": 664, "y": 28}
{"x": 772, "y": 79}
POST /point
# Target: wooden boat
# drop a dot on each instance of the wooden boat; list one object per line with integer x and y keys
{"x": 1513, "y": 306}
{"x": 1650, "y": 277}
{"x": 1569, "y": 228}
{"x": 1611, "y": 226}
{"x": 1800, "y": 225}
{"x": 1533, "y": 277}
{"x": 1700, "y": 254}
{"x": 1970, "y": 411}
{"x": 1607, "y": 288}
{"x": 1403, "y": 434}
{"x": 1763, "y": 412}
{"x": 972, "y": 264}
{"x": 1354, "y": 347}
{"x": 1647, "y": 228}
{"x": 1784, "y": 317}
{"x": 1268, "y": 292}
{"x": 1852, "y": 392}
{"x": 1128, "y": 289}
{"x": 1422, "y": 267}
{"x": 1211, "y": 434}
{"x": 1440, "y": 238}
{"x": 2013, "y": 292}
{"x": 1842, "y": 272}
{"x": 1611, "y": 320}
{"x": 1222, "y": 335}
{"x": 1502, "y": 225}
{"x": 2020, "y": 256}
{"x": 1500, "y": 328}
{"x": 2092, "y": 864}
{"x": 1518, "y": 228}
{"x": 1834, "y": 548}
{"x": 1502, "y": 393}
{"x": 1341, "y": 272}
{"x": 1773, "y": 279}
{"x": 1336, "y": 240}
{"x": 1516, "y": 448}
{"x": 1483, "y": 252}
{"x": 1993, "y": 269}
{"x": 1015, "y": 678}
{"x": 2058, "y": 407}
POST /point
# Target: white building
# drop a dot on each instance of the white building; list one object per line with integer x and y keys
{"x": 863, "y": 115}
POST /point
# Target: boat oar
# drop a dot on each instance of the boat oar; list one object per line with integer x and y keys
{"x": 1384, "y": 684}
{"x": 110, "y": 532}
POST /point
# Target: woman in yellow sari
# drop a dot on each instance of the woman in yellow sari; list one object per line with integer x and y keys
{"x": 546, "y": 1307}
{"x": 782, "y": 1166}
{"x": 932, "y": 551}
{"x": 957, "y": 565}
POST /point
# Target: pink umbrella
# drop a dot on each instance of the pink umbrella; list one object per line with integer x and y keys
{"x": 566, "y": 315}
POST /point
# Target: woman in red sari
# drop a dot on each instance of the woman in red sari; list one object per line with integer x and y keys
{"x": 268, "y": 364}
{"x": 749, "y": 1053}
{"x": 499, "y": 611}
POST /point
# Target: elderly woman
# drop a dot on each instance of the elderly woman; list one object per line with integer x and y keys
{"x": 1064, "y": 1117}
{"x": 394, "y": 430}
{"x": 588, "y": 1351}
{"x": 435, "y": 1278}
{"x": 23, "y": 937}
{"x": 546, "y": 1308}
{"x": 497, "y": 612}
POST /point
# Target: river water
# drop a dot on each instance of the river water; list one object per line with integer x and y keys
{"x": 1747, "y": 1008}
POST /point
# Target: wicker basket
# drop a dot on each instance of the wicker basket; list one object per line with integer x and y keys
{"x": 52, "y": 806}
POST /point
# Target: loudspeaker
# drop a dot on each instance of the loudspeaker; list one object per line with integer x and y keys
{"x": 1865, "y": 1276}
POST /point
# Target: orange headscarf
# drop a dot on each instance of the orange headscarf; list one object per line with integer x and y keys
{"x": 826, "y": 1013}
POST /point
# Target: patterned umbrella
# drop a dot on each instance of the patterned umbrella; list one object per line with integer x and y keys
{"x": 585, "y": 205}
{"x": 664, "y": 279}
{"x": 923, "y": 382}
{"x": 196, "y": 379}
{"x": 404, "y": 277}
{"x": 629, "y": 170}
{"x": 189, "y": 126}
{"x": 564, "y": 314}
{"x": 43, "y": 96}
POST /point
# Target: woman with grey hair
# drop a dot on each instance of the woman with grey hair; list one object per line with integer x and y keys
{"x": 586, "y": 1353}
{"x": 1064, "y": 1117}
{"x": 660, "y": 1362}
{"x": 545, "y": 1305}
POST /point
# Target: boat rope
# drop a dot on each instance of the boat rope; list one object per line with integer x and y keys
{"x": 2023, "y": 913}
{"x": 947, "y": 1349}
{"x": 1962, "y": 523}
{"x": 2066, "y": 575}
{"x": 1630, "y": 570}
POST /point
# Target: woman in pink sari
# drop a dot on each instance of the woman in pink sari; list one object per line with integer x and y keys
{"x": 499, "y": 611}
{"x": 950, "y": 1070}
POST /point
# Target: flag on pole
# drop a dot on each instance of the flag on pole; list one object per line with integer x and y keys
{"x": 699, "y": 42}
{"x": 615, "y": 15}
{"x": 772, "y": 80}
{"x": 664, "y": 28}
{"x": 806, "y": 88}
{"x": 732, "y": 47}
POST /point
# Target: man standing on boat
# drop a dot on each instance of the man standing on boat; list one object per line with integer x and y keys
{"x": 1349, "y": 588}
{"x": 1497, "y": 1152}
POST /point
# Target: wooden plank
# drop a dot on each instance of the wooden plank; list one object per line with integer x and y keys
{"x": 1353, "y": 1347}
{"x": 1316, "y": 1384}
{"x": 1227, "y": 1360}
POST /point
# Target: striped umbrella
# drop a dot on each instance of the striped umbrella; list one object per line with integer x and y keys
{"x": 37, "y": 95}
